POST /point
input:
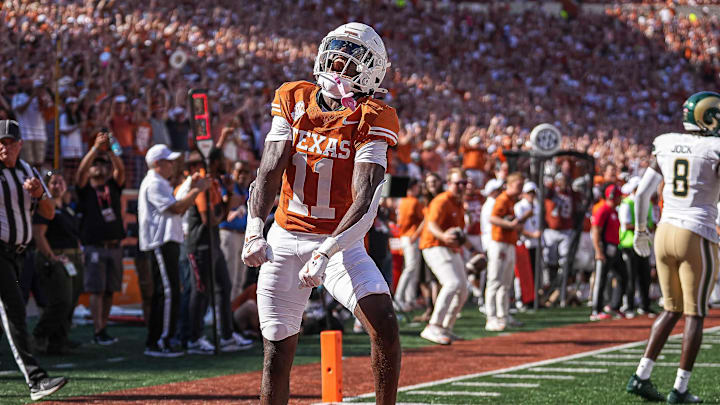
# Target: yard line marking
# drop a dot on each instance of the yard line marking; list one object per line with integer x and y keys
{"x": 456, "y": 393}
{"x": 496, "y": 384}
{"x": 525, "y": 366}
{"x": 569, "y": 370}
{"x": 64, "y": 365}
{"x": 634, "y": 364}
{"x": 536, "y": 376}
{"x": 679, "y": 346}
{"x": 621, "y": 356}
{"x": 9, "y": 372}
{"x": 641, "y": 351}
{"x": 115, "y": 359}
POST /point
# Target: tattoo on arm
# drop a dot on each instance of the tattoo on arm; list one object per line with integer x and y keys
{"x": 366, "y": 177}
{"x": 275, "y": 159}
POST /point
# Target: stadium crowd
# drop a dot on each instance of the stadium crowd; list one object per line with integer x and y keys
{"x": 467, "y": 86}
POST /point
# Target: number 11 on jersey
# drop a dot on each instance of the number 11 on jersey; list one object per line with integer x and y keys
{"x": 323, "y": 168}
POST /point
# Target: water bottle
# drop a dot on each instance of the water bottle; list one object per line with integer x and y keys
{"x": 115, "y": 146}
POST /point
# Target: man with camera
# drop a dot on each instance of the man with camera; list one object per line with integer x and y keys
{"x": 99, "y": 181}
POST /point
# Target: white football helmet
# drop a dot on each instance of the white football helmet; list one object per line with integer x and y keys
{"x": 363, "y": 50}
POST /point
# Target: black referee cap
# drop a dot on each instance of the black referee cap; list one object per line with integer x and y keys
{"x": 9, "y": 129}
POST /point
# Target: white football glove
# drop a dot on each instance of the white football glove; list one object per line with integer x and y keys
{"x": 642, "y": 243}
{"x": 312, "y": 273}
{"x": 256, "y": 250}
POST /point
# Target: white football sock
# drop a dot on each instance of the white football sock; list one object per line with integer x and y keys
{"x": 645, "y": 368}
{"x": 682, "y": 380}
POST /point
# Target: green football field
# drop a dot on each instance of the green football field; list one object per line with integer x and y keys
{"x": 597, "y": 377}
{"x": 95, "y": 369}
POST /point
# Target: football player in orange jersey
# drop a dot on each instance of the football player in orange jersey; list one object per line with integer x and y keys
{"x": 327, "y": 154}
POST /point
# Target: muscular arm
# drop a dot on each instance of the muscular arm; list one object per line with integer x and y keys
{"x": 275, "y": 159}
{"x": 648, "y": 185}
{"x": 366, "y": 178}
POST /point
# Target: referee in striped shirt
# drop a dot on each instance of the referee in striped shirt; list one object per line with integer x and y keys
{"x": 21, "y": 192}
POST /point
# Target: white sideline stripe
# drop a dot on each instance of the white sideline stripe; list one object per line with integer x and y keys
{"x": 527, "y": 365}
{"x": 679, "y": 346}
{"x": 634, "y": 364}
{"x": 569, "y": 370}
{"x": 115, "y": 359}
{"x": 535, "y": 376}
{"x": 621, "y": 356}
{"x": 64, "y": 365}
{"x": 496, "y": 384}
{"x": 9, "y": 372}
{"x": 641, "y": 351}
{"x": 456, "y": 393}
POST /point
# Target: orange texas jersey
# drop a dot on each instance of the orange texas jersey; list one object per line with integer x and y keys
{"x": 317, "y": 185}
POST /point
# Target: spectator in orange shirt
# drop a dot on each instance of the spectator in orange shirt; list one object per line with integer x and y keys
{"x": 501, "y": 254}
{"x": 474, "y": 155}
{"x": 431, "y": 160}
{"x": 440, "y": 243}
{"x": 410, "y": 224}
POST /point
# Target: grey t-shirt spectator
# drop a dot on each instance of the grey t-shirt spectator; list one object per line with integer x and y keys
{"x": 32, "y": 125}
{"x": 160, "y": 134}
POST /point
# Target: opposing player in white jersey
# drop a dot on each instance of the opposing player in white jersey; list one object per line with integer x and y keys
{"x": 686, "y": 238}
{"x": 326, "y": 154}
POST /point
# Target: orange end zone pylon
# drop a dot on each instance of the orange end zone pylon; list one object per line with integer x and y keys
{"x": 331, "y": 363}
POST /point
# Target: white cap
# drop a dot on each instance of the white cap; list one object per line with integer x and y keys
{"x": 492, "y": 185}
{"x": 529, "y": 187}
{"x": 631, "y": 185}
{"x": 176, "y": 111}
{"x": 160, "y": 152}
{"x": 121, "y": 99}
{"x": 429, "y": 144}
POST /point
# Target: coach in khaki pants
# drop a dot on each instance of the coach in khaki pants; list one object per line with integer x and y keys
{"x": 440, "y": 244}
{"x": 501, "y": 254}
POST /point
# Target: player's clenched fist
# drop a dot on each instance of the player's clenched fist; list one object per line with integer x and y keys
{"x": 256, "y": 250}
{"x": 313, "y": 272}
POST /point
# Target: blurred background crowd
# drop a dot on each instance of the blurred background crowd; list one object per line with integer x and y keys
{"x": 469, "y": 81}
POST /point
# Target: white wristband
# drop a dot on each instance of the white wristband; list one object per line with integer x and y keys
{"x": 329, "y": 247}
{"x": 254, "y": 227}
